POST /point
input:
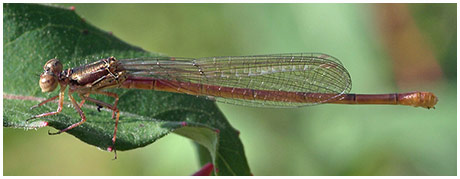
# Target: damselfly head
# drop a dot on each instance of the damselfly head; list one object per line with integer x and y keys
{"x": 48, "y": 81}
{"x": 54, "y": 66}
{"x": 49, "y": 78}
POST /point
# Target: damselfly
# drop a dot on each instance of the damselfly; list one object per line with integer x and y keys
{"x": 283, "y": 80}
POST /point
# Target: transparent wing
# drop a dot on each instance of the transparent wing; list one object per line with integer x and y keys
{"x": 276, "y": 76}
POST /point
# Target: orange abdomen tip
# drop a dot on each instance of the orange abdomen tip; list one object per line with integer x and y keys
{"x": 419, "y": 99}
{"x": 428, "y": 100}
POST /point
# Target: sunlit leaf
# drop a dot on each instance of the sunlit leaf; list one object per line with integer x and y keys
{"x": 33, "y": 34}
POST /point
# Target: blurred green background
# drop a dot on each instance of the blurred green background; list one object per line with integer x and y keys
{"x": 386, "y": 48}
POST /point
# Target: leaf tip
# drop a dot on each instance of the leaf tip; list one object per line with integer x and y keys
{"x": 36, "y": 125}
{"x": 43, "y": 124}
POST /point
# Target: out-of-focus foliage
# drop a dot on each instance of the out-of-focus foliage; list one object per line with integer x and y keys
{"x": 319, "y": 140}
{"x": 438, "y": 23}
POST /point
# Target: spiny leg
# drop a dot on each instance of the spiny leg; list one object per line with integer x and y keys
{"x": 60, "y": 104}
{"x": 115, "y": 110}
{"x": 115, "y": 134}
{"x": 83, "y": 98}
{"x": 114, "y": 95}
{"x": 82, "y": 115}
{"x": 45, "y": 101}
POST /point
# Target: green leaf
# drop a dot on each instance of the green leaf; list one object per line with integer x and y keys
{"x": 33, "y": 34}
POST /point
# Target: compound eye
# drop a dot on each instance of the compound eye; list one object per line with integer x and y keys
{"x": 48, "y": 82}
{"x": 53, "y": 65}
